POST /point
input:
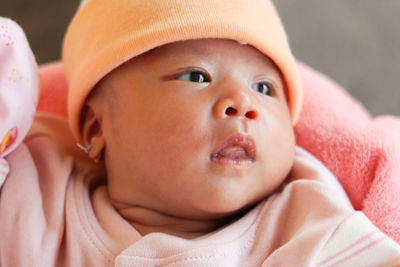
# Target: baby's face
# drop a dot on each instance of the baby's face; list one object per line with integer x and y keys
{"x": 196, "y": 129}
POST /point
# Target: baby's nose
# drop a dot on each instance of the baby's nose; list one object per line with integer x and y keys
{"x": 236, "y": 104}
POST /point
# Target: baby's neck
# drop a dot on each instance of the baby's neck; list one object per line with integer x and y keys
{"x": 147, "y": 221}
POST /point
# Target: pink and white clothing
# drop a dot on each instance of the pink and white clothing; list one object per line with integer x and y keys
{"x": 19, "y": 89}
{"x": 55, "y": 211}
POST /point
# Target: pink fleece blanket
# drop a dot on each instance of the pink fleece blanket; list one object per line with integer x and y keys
{"x": 363, "y": 152}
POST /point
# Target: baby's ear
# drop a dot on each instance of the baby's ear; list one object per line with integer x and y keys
{"x": 92, "y": 134}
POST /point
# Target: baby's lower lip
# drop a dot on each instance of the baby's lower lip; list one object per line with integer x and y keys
{"x": 232, "y": 156}
{"x": 231, "y": 161}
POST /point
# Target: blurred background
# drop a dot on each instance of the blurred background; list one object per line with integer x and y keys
{"x": 355, "y": 42}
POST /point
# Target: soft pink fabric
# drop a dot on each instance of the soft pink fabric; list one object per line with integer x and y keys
{"x": 364, "y": 153}
{"x": 19, "y": 86}
{"x": 54, "y": 89}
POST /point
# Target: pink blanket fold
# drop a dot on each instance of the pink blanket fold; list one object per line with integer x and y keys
{"x": 363, "y": 152}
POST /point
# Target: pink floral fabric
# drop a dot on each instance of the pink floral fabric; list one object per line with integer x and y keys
{"x": 19, "y": 89}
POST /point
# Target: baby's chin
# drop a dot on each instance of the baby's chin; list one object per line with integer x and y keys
{"x": 234, "y": 195}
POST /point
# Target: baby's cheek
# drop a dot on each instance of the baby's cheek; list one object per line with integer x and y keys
{"x": 184, "y": 129}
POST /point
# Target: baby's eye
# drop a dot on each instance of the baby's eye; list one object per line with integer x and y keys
{"x": 263, "y": 88}
{"x": 194, "y": 76}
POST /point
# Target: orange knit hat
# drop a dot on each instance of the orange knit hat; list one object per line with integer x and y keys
{"x": 106, "y": 33}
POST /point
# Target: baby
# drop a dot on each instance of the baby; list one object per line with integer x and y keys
{"x": 186, "y": 111}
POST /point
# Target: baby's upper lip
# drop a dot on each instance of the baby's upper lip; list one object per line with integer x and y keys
{"x": 237, "y": 146}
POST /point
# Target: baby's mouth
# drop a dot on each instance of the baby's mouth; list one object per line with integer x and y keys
{"x": 236, "y": 150}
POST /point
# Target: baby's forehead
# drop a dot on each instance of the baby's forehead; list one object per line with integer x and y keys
{"x": 195, "y": 51}
{"x": 208, "y": 49}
